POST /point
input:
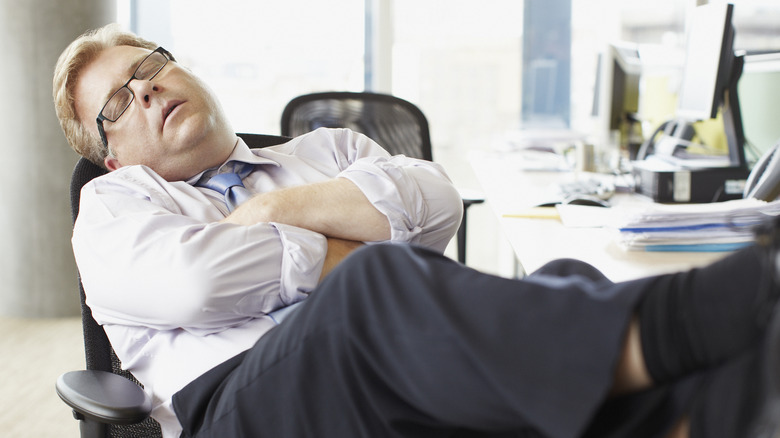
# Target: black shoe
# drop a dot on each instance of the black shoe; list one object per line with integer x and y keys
{"x": 767, "y": 423}
{"x": 768, "y": 239}
{"x": 741, "y": 397}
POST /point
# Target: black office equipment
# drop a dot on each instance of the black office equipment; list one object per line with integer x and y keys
{"x": 680, "y": 185}
{"x": 710, "y": 78}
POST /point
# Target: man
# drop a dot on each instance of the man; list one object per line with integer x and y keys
{"x": 179, "y": 130}
{"x": 200, "y": 296}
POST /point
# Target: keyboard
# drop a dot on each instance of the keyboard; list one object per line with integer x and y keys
{"x": 588, "y": 187}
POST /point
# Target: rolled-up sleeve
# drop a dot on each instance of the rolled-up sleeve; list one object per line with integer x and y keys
{"x": 417, "y": 196}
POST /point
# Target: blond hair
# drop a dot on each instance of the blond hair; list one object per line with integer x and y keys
{"x": 76, "y": 56}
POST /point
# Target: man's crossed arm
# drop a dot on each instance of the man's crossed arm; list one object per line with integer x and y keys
{"x": 336, "y": 208}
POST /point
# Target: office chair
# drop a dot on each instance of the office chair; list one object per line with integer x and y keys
{"x": 396, "y": 124}
{"x": 108, "y": 401}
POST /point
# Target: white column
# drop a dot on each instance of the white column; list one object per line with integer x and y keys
{"x": 37, "y": 271}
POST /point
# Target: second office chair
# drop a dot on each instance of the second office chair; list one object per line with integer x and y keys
{"x": 395, "y": 124}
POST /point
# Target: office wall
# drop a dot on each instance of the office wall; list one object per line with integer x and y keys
{"x": 37, "y": 272}
{"x": 759, "y": 97}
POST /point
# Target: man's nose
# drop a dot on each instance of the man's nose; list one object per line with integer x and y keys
{"x": 143, "y": 90}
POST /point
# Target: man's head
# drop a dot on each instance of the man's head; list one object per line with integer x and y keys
{"x": 173, "y": 124}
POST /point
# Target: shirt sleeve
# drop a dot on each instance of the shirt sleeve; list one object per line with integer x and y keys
{"x": 129, "y": 238}
{"x": 417, "y": 196}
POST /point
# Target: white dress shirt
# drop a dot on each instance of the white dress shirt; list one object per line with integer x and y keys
{"x": 179, "y": 293}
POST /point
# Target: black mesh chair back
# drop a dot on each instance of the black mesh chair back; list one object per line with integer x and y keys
{"x": 396, "y": 124}
{"x": 98, "y": 351}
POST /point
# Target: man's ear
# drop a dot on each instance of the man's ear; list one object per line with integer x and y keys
{"x": 111, "y": 163}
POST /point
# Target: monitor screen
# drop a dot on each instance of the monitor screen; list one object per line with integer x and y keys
{"x": 626, "y": 68}
{"x": 708, "y": 63}
{"x": 616, "y": 92}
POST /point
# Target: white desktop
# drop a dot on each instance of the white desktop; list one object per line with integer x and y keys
{"x": 538, "y": 236}
{"x": 516, "y": 178}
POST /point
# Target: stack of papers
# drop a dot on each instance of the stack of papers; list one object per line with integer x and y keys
{"x": 720, "y": 226}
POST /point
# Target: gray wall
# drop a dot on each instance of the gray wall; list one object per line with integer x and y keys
{"x": 37, "y": 271}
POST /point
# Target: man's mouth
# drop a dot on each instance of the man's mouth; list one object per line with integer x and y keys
{"x": 169, "y": 108}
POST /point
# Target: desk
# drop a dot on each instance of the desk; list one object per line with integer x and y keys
{"x": 509, "y": 189}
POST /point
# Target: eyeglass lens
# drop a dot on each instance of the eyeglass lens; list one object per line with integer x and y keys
{"x": 119, "y": 102}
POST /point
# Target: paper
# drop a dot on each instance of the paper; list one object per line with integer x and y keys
{"x": 720, "y": 226}
{"x": 583, "y": 216}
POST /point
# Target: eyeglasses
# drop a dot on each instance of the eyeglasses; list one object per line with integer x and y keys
{"x": 118, "y": 103}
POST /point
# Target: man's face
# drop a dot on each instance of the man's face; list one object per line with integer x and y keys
{"x": 174, "y": 124}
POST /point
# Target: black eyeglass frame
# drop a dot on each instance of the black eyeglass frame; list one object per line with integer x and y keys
{"x": 100, "y": 118}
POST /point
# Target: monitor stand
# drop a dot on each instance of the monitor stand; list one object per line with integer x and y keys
{"x": 732, "y": 116}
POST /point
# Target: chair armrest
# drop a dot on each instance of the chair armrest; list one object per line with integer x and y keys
{"x": 471, "y": 197}
{"x": 468, "y": 202}
{"x": 104, "y": 397}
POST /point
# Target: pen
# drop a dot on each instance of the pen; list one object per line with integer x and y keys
{"x": 535, "y": 213}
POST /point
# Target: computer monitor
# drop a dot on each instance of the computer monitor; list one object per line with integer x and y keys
{"x": 616, "y": 96}
{"x": 707, "y": 68}
{"x": 710, "y": 75}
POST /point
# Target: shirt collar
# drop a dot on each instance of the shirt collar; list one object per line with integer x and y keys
{"x": 242, "y": 153}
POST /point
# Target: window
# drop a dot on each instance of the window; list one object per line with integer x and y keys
{"x": 461, "y": 61}
{"x": 257, "y": 56}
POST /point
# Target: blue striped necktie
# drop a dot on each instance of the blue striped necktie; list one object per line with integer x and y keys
{"x": 230, "y": 185}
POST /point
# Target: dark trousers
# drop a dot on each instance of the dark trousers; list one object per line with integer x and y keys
{"x": 402, "y": 342}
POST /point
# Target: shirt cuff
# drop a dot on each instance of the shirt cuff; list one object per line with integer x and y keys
{"x": 391, "y": 191}
{"x": 303, "y": 257}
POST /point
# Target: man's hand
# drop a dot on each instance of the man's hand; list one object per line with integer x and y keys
{"x": 334, "y": 208}
{"x": 338, "y": 250}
